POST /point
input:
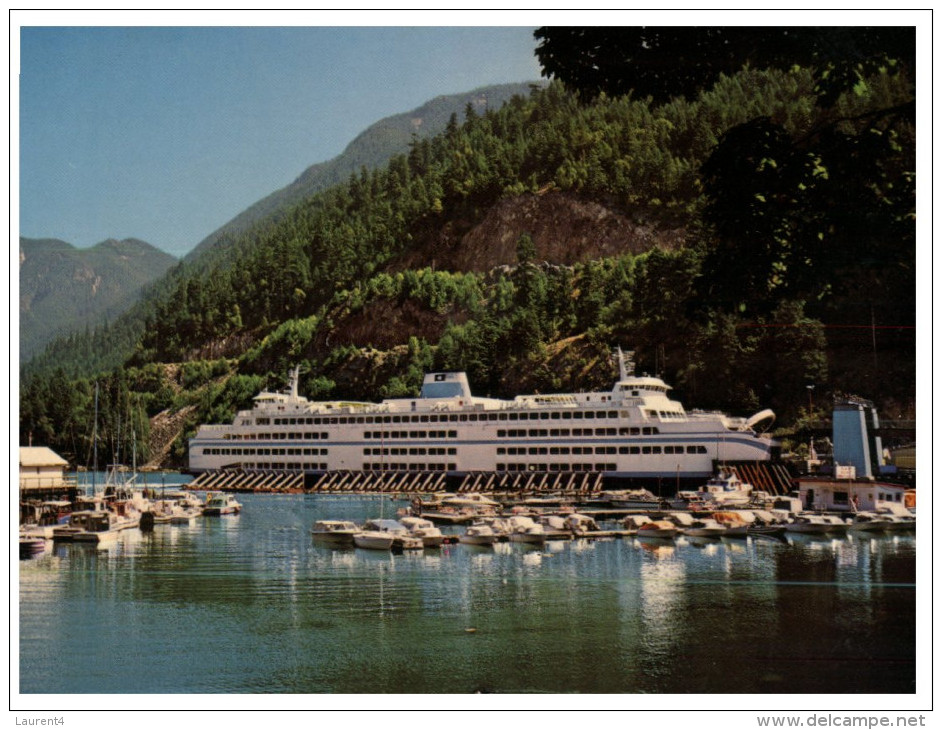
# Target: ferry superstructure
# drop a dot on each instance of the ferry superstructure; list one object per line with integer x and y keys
{"x": 632, "y": 431}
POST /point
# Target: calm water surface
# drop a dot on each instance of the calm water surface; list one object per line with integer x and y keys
{"x": 248, "y": 604}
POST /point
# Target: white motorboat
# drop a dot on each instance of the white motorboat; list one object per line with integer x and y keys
{"x": 555, "y": 527}
{"x": 633, "y": 522}
{"x": 662, "y": 529}
{"x": 765, "y": 524}
{"x": 425, "y": 530}
{"x": 896, "y": 523}
{"x": 736, "y": 522}
{"x": 634, "y": 499}
{"x": 898, "y": 517}
{"x": 386, "y": 535}
{"x": 31, "y": 546}
{"x": 186, "y": 508}
{"x": 868, "y": 522}
{"x": 580, "y": 525}
{"x": 335, "y": 532}
{"x": 526, "y": 530}
{"x": 221, "y": 504}
{"x": 810, "y": 525}
{"x": 697, "y": 527}
{"x": 691, "y": 501}
{"x": 479, "y": 534}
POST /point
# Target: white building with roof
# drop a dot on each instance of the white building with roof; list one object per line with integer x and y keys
{"x": 42, "y": 468}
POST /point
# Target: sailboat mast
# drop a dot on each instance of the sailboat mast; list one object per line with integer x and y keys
{"x": 95, "y": 444}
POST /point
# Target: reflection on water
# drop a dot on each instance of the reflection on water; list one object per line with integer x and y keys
{"x": 250, "y": 603}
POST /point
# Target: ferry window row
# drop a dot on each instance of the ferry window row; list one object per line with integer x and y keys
{"x": 264, "y": 452}
{"x": 293, "y": 466}
{"x": 557, "y": 467}
{"x": 444, "y": 418}
{"x": 393, "y": 466}
{"x": 567, "y": 450}
{"x": 566, "y": 432}
{"x": 413, "y": 451}
{"x": 283, "y": 436}
{"x": 410, "y": 434}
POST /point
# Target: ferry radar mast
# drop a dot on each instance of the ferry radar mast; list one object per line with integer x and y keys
{"x": 626, "y": 363}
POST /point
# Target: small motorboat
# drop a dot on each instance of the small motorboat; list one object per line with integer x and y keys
{"x": 867, "y": 522}
{"x": 581, "y": 525}
{"x": 386, "y": 535}
{"x": 526, "y": 530}
{"x": 338, "y": 533}
{"x": 221, "y": 504}
{"x": 810, "y": 525}
{"x": 662, "y": 529}
{"x": 737, "y": 523}
{"x": 632, "y": 523}
{"x": 479, "y": 534}
{"x": 634, "y": 499}
{"x": 898, "y": 517}
{"x": 31, "y": 546}
{"x": 696, "y": 526}
{"x": 423, "y": 529}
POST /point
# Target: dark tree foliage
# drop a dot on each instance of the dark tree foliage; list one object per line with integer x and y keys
{"x": 682, "y": 61}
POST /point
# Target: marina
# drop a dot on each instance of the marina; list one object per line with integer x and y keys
{"x": 607, "y": 615}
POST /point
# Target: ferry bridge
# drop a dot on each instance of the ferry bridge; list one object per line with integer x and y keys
{"x": 773, "y": 478}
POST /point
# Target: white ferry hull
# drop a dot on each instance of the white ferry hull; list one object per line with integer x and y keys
{"x": 632, "y": 432}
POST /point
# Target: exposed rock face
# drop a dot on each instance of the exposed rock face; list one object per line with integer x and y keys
{"x": 564, "y": 229}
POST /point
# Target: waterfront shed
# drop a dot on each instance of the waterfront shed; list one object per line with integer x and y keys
{"x": 849, "y": 495}
{"x": 41, "y": 468}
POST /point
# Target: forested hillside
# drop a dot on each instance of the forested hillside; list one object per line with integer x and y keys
{"x": 64, "y": 289}
{"x": 371, "y": 149}
{"x": 747, "y": 240}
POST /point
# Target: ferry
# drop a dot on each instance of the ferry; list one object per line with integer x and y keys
{"x": 632, "y": 431}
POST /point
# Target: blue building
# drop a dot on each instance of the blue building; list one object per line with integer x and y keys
{"x": 856, "y": 437}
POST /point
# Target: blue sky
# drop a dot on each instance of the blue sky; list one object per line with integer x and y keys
{"x": 166, "y": 133}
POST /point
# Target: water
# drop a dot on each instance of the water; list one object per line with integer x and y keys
{"x": 248, "y": 604}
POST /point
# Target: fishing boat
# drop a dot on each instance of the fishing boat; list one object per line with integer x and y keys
{"x": 99, "y": 527}
{"x": 221, "y": 504}
{"x": 727, "y": 489}
{"x": 338, "y": 533}
{"x": 634, "y": 430}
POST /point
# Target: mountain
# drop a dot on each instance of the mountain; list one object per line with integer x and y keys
{"x": 521, "y": 244}
{"x": 371, "y": 149}
{"x": 64, "y": 289}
